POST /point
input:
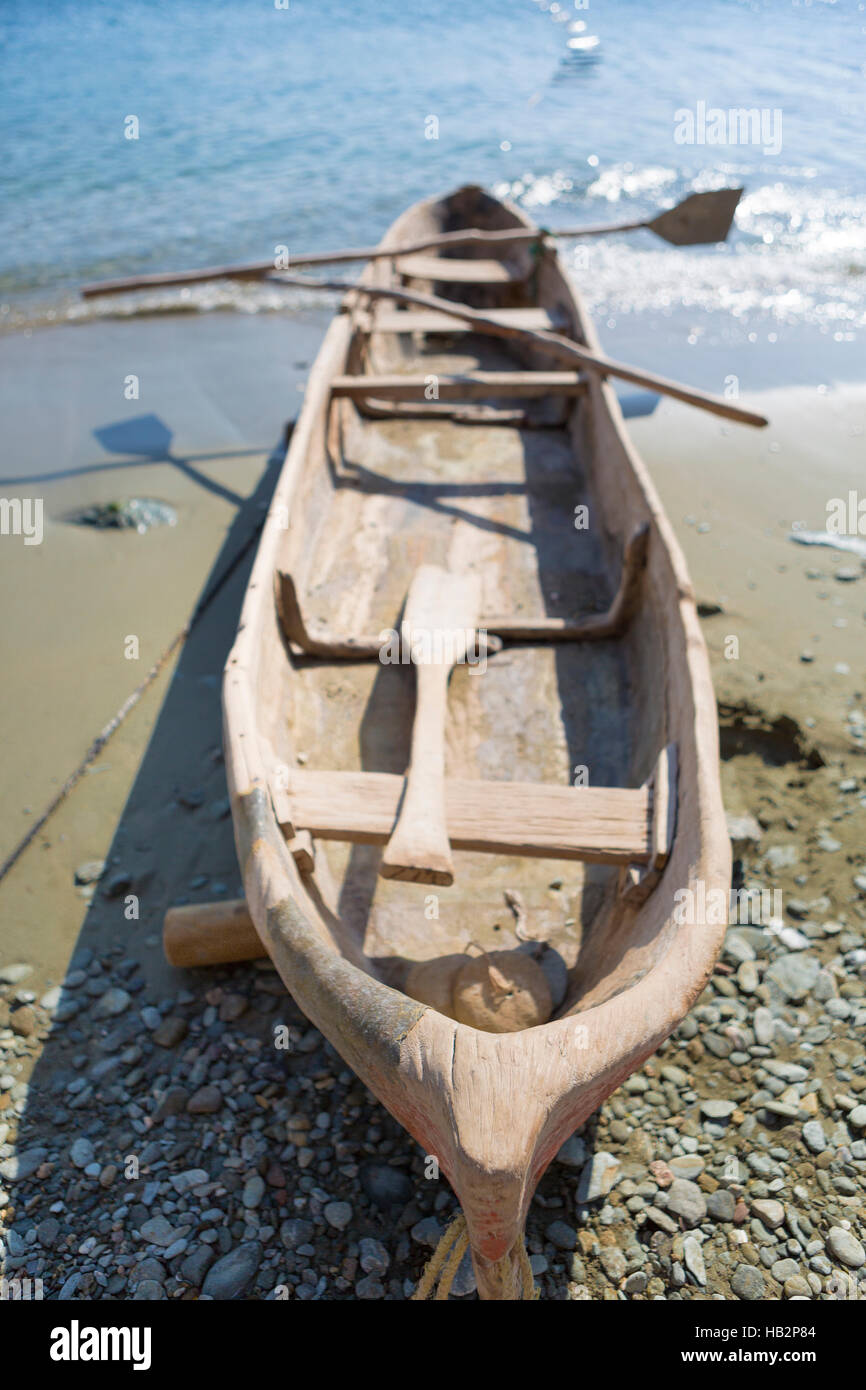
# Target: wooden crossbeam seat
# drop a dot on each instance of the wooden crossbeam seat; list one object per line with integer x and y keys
{"x": 600, "y": 825}
{"x": 465, "y": 386}
{"x": 605, "y": 826}
{"x": 450, "y": 270}
{"x": 430, "y": 321}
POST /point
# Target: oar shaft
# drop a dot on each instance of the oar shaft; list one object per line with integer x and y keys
{"x": 470, "y": 236}
{"x": 561, "y": 347}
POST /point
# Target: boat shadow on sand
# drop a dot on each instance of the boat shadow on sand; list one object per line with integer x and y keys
{"x": 102, "y": 1080}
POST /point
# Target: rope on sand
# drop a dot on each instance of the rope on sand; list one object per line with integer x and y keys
{"x": 446, "y": 1260}
{"x": 132, "y": 700}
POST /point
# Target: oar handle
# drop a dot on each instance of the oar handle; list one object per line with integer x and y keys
{"x": 704, "y": 400}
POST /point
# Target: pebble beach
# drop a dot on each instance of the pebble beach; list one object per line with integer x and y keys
{"x": 170, "y": 1135}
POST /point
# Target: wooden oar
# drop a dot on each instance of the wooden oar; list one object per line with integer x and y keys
{"x": 699, "y": 219}
{"x": 564, "y": 348}
{"x": 439, "y": 624}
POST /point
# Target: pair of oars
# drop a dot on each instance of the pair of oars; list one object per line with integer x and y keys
{"x": 699, "y": 219}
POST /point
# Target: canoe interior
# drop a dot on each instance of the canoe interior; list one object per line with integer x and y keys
{"x": 375, "y": 499}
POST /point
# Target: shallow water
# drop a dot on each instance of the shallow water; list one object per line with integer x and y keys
{"x": 315, "y": 125}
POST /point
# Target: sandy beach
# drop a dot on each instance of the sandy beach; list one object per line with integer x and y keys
{"x": 784, "y": 624}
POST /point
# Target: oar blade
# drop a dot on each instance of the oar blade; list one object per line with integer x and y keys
{"x": 699, "y": 219}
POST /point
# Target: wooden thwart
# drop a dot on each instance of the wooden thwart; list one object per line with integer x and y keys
{"x": 468, "y": 386}
{"x": 449, "y": 270}
{"x": 602, "y": 825}
{"x": 434, "y": 321}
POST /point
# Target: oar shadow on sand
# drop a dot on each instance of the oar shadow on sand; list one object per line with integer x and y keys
{"x": 144, "y": 440}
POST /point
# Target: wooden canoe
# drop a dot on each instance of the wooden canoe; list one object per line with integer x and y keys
{"x": 582, "y": 775}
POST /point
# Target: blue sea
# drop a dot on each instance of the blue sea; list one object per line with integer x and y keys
{"x": 315, "y": 122}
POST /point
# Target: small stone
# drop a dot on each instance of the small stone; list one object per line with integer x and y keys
{"x": 720, "y": 1205}
{"x": 689, "y": 1166}
{"x": 173, "y": 1101}
{"x": 857, "y": 1117}
{"x": 48, "y": 1232}
{"x": 148, "y": 1291}
{"x": 793, "y": 975}
{"x": 81, "y": 1153}
{"x": 694, "y": 1260}
{"x": 598, "y": 1177}
{"x": 563, "y": 1236}
{"x": 90, "y": 871}
{"x": 846, "y": 1248}
{"x": 370, "y": 1288}
{"x": 427, "y": 1232}
{"x": 613, "y": 1263}
{"x": 254, "y": 1191}
{"x": 23, "y": 1022}
{"x": 196, "y": 1265}
{"x": 112, "y": 1003}
{"x": 186, "y": 1181}
{"x": 686, "y": 1200}
{"x": 22, "y": 1165}
{"x": 814, "y": 1137}
{"x": 233, "y": 1274}
{"x": 385, "y": 1187}
{"x": 738, "y": 947}
{"x": 748, "y": 1283}
{"x": 373, "y": 1256}
{"x": 782, "y": 1109}
{"x": 718, "y": 1109}
{"x": 573, "y": 1152}
{"x": 295, "y": 1232}
{"x": 797, "y": 1287}
{"x": 661, "y": 1220}
{"x": 338, "y": 1215}
{"x": 232, "y": 1007}
{"x": 744, "y": 833}
{"x": 171, "y": 1031}
{"x": 661, "y": 1172}
{"x": 158, "y": 1231}
{"x": 781, "y": 857}
{"x": 769, "y": 1212}
{"x": 205, "y": 1101}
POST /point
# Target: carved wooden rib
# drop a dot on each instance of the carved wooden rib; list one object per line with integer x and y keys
{"x": 318, "y": 642}
{"x": 639, "y": 878}
{"x": 602, "y": 825}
